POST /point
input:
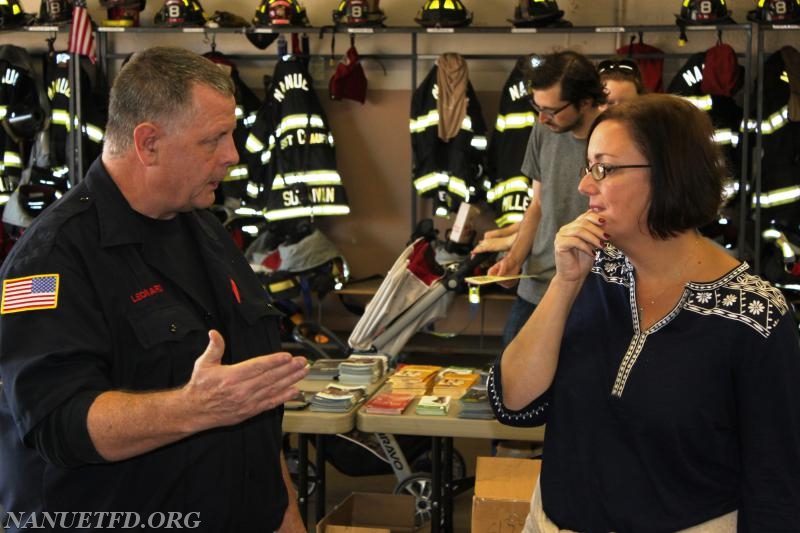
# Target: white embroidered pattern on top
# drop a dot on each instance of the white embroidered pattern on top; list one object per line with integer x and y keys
{"x": 612, "y": 265}
{"x": 742, "y": 297}
{"x": 738, "y": 296}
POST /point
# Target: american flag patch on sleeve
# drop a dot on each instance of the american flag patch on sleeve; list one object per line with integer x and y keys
{"x": 29, "y": 293}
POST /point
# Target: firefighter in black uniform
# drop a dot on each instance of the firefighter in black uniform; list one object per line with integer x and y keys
{"x": 142, "y": 383}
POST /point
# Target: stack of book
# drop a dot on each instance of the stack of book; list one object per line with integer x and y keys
{"x": 433, "y": 405}
{"x": 324, "y": 369}
{"x": 475, "y": 404}
{"x": 335, "y": 398}
{"x": 362, "y": 369}
{"x": 298, "y": 401}
{"x": 455, "y": 382}
{"x": 414, "y": 379}
{"x": 388, "y": 403}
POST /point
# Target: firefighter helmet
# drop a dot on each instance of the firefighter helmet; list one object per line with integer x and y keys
{"x": 280, "y": 13}
{"x": 181, "y": 13}
{"x": 55, "y": 12}
{"x": 123, "y": 13}
{"x": 698, "y": 12}
{"x": 533, "y": 13}
{"x": 132, "y": 4}
{"x": 24, "y": 121}
{"x": 359, "y": 13}
{"x": 275, "y": 13}
{"x": 306, "y": 261}
{"x": 12, "y": 15}
{"x": 776, "y": 12}
{"x": 38, "y": 188}
{"x": 446, "y": 13}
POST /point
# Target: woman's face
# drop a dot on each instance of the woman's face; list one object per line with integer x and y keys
{"x": 622, "y": 198}
{"x": 618, "y": 91}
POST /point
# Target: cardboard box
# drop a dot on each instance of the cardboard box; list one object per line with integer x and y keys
{"x": 503, "y": 489}
{"x": 464, "y": 225}
{"x": 369, "y": 512}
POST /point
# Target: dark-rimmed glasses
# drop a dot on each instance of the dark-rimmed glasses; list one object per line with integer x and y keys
{"x": 599, "y": 171}
{"x": 626, "y": 66}
{"x": 549, "y": 113}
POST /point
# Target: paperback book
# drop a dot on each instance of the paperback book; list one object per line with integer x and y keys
{"x": 475, "y": 404}
{"x": 388, "y": 403}
{"x": 434, "y": 405}
{"x": 337, "y": 398}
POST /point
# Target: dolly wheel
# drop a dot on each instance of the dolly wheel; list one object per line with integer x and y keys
{"x": 420, "y": 486}
{"x": 293, "y": 465}
{"x": 423, "y": 464}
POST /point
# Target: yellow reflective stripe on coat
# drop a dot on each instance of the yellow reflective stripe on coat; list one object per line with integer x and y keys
{"x": 776, "y": 197}
{"x": 514, "y": 121}
{"x": 508, "y": 186}
{"x": 236, "y": 173}
{"x": 316, "y": 177}
{"x": 431, "y": 181}
{"x": 12, "y": 159}
{"x": 306, "y": 211}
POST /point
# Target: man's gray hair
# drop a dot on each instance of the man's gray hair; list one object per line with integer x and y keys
{"x": 155, "y": 86}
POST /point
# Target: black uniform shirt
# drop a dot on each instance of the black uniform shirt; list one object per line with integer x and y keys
{"x": 124, "y": 317}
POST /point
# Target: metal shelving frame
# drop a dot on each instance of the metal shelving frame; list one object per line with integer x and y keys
{"x": 761, "y": 53}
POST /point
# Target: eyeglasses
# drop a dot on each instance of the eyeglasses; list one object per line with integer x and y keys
{"x": 599, "y": 171}
{"x": 627, "y": 66}
{"x": 549, "y": 113}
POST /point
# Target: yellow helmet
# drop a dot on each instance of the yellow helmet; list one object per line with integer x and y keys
{"x": 445, "y": 13}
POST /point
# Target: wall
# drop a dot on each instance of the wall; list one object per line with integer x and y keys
{"x": 373, "y": 148}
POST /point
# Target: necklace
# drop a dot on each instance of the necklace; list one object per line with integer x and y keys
{"x": 678, "y": 279}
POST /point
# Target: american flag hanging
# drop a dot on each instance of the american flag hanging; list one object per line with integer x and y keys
{"x": 81, "y": 36}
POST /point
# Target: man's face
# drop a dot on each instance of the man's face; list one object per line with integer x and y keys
{"x": 197, "y": 151}
{"x": 557, "y": 114}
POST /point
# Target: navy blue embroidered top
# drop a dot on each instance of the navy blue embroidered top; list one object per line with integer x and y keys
{"x": 662, "y": 429}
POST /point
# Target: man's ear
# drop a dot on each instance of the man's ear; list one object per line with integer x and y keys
{"x": 585, "y": 104}
{"x": 145, "y": 139}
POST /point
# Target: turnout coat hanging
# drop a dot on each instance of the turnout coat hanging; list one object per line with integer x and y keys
{"x": 294, "y": 144}
{"x": 449, "y": 171}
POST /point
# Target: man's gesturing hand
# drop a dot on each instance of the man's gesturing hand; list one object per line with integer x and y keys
{"x": 224, "y": 395}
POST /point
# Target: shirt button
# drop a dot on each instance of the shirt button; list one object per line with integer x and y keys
{"x": 173, "y": 328}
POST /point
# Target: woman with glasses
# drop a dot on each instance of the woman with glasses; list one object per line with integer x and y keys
{"x": 622, "y": 81}
{"x": 665, "y": 370}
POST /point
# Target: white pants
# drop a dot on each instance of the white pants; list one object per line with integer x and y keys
{"x": 537, "y": 521}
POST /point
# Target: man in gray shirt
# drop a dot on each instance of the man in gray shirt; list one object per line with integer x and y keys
{"x": 567, "y": 95}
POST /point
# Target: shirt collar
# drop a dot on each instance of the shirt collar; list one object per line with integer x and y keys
{"x": 117, "y": 219}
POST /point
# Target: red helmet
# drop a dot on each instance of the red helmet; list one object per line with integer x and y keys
{"x": 280, "y": 13}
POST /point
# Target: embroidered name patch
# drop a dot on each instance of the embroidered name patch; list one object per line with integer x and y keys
{"x": 29, "y": 293}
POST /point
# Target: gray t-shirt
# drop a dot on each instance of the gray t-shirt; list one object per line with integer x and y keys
{"x": 555, "y": 160}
